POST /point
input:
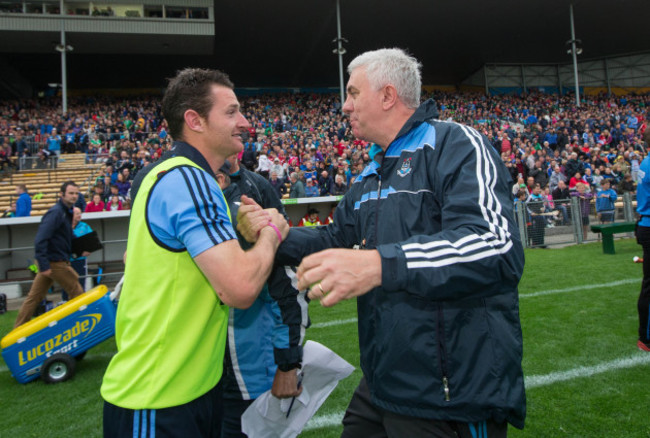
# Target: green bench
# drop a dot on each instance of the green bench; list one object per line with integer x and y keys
{"x": 608, "y": 231}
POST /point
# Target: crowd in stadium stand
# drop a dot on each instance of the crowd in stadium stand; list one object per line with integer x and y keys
{"x": 303, "y": 145}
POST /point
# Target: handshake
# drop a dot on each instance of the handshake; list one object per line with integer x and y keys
{"x": 253, "y": 219}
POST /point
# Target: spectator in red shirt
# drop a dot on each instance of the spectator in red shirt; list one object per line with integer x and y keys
{"x": 96, "y": 205}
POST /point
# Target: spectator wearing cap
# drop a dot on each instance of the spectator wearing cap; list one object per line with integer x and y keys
{"x": 311, "y": 219}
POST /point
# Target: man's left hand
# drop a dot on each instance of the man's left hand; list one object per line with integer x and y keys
{"x": 339, "y": 274}
{"x": 285, "y": 384}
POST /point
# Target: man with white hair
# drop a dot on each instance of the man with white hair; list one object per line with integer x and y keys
{"x": 436, "y": 269}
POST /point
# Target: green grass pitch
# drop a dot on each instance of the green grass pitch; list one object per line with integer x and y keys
{"x": 584, "y": 374}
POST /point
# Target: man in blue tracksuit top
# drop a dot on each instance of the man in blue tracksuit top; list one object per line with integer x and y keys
{"x": 24, "y": 201}
{"x": 605, "y": 199}
{"x": 264, "y": 345}
{"x": 436, "y": 270}
{"x": 643, "y": 237}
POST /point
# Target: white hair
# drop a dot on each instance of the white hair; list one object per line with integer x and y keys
{"x": 395, "y": 67}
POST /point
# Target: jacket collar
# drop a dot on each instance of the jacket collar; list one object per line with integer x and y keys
{"x": 426, "y": 111}
{"x": 182, "y": 149}
{"x": 66, "y": 209}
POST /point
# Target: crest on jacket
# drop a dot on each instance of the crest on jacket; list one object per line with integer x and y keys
{"x": 406, "y": 168}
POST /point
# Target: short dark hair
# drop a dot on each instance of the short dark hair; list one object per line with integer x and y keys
{"x": 65, "y": 185}
{"x": 190, "y": 89}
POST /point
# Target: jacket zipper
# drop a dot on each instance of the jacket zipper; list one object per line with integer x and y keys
{"x": 442, "y": 353}
{"x": 377, "y": 210}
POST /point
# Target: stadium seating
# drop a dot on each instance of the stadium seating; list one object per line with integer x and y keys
{"x": 44, "y": 185}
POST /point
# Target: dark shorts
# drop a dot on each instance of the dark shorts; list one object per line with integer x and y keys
{"x": 585, "y": 220}
{"x": 199, "y": 418}
{"x": 607, "y": 216}
{"x": 365, "y": 420}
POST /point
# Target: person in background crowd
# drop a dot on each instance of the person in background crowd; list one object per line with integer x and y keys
{"x": 114, "y": 204}
{"x": 535, "y": 205}
{"x": 605, "y": 199}
{"x": 311, "y": 190}
{"x": 80, "y": 263}
{"x": 53, "y": 246}
{"x": 278, "y": 185}
{"x": 584, "y": 200}
{"x": 340, "y": 187}
{"x": 297, "y": 189}
{"x": 53, "y": 144}
{"x": 96, "y": 204}
{"x": 562, "y": 200}
{"x": 24, "y": 201}
{"x": 311, "y": 219}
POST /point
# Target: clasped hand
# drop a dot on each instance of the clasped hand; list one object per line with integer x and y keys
{"x": 251, "y": 219}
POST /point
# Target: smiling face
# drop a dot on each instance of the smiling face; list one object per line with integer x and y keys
{"x": 225, "y": 123}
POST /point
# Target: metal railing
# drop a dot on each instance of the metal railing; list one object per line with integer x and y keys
{"x": 566, "y": 221}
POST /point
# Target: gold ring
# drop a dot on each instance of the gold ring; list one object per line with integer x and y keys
{"x": 321, "y": 289}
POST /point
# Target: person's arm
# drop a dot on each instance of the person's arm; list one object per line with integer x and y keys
{"x": 290, "y": 315}
{"x": 46, "y": 229}
{"x": 270, "y": 198}
{"x": 187, "y": 211}
{"x": 477, "y": 254}
{"x": 236, "y": 275}
{"x": 291, "y": 319}
{"x": 22, "y": 207}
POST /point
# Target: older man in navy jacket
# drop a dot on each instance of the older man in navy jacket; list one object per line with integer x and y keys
{"x": 436, "y": 268}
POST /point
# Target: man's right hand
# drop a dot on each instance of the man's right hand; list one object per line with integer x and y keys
{"x": 251, "y": 218}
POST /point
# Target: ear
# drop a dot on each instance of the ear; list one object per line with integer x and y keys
{"x": 193, "y": 120}
{"x": 388, "y": 97}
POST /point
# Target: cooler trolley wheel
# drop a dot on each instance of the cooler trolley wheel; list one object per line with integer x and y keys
{"x": 58, "y": 368}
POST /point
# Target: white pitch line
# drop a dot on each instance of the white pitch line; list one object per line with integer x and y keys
{"x": 335, "y": 419}
{"x": 561, "y": 376}
{"x": 526, "y": 295}
{"x": 331, "y": 323}
{"x": 577, "y": 288}
{"x": 323, "y": 421}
